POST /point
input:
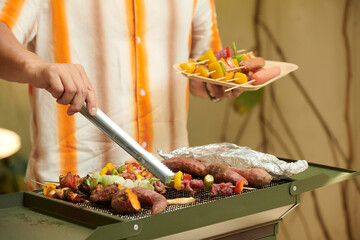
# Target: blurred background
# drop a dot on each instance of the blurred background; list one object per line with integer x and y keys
{"x": 313, "y": 114}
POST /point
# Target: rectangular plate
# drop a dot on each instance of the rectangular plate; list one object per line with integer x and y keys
{"x": 285, "y": 67}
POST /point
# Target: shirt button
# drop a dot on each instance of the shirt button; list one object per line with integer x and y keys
{"x": 144, "y": 144}
{"x": 142, "y": 92}
{"x": 138, "y": 40}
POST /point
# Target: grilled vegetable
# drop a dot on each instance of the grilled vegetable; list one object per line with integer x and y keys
{"x": 108, "y": 166}
{"x": 208, "y": 181}
{"x": 177, "y": 180}
{"x": 156, "y": 201}
{"x": 125, "y": 202}
{"x": 48, "y": 188}
{"x": 239, "y": 186}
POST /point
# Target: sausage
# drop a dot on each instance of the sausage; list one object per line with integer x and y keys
{"x": 191, "y": 166}
{"x": 146, "y": 197}
{"x": 256, "y": 177}
{"x": 253, "y": 63}
{"x": 222, "y": 173}
{"x": 265, "y": 75}
{"x": 125, "y": 202}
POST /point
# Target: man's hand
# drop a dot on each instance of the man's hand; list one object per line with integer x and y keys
{"x": 219, "y": 91}
{"x": 198, "y": 89}
{"x": 66, "y": 82}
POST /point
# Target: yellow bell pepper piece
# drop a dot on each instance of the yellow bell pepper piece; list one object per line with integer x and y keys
{"x": 225, "y": 63}
{"x": 229, "y": 75}
{"x": 189, "y": 67}
{"x": 139, "y": 177}
{"x": 235, "y": 61}
{"x": 202, "y": 58}
{"x": 106, "y": 168}
{"x": 203, "y": 72}
{"x": 215, "y": 66}
{"x": 211, "y": 56}
{"x": 242, "y": 78}
{"x": 48, "y": 188}
{"x": 177, "y": 180}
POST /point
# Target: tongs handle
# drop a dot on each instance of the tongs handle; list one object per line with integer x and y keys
{"x": 119, "y": 136}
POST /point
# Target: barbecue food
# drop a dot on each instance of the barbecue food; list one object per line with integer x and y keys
{"x": 253, "y": 63}
{"x": 104, "y": 195}
{"x": 159, "y": 187}
{"x": 264, "y": 75}
{"x": 67, "y": 194}
{"x": 125, "y": 201}
{"x": 223, "y": 173}
{"x": 221, "y": 189}
{"x": 256, "y": 177}
{"x": 189, "y": 165}
{"x": 156, "y": 201}
{"x": 70, "y": 181}
{"x": 192, "y": 186}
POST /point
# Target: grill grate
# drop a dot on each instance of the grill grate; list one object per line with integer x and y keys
{"x": 202, "y": 196}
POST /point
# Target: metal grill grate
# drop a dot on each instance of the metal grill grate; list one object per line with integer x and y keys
{"x": 202, "y": 196}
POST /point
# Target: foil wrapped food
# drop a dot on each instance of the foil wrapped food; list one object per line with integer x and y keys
{"x": 240, "y": 157}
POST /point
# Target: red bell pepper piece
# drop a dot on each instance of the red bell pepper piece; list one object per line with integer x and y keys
{"x": 186, "y": 176}
{"x": 239, "y": 186}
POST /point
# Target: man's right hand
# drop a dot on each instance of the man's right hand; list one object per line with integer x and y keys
{"x": 66, "y": 82}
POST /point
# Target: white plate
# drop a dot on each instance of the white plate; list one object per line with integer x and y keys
{"x": 285, "y": 68}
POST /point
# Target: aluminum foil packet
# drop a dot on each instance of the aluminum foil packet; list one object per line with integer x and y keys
{"x": 240, "y": 157}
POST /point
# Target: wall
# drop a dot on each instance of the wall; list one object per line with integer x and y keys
{"x": 301, "y": 116}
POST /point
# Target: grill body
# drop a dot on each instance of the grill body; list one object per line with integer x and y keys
{"x": 253, "y": 214}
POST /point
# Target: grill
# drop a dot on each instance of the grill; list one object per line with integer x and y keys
{"x": 252, "y": 214}
{"x": 201, "y": 196}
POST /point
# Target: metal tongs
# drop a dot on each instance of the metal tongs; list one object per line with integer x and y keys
{"x": 119, "y": 136}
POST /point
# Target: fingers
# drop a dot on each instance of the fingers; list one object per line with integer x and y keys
{"x": 219, "y": 91}
{"x": 91, "y": 97}
{"x": 69, "y": 84}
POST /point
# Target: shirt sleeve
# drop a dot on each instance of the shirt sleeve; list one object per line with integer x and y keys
{"x": 205, "y": 33}
{"x": 21, "y": 16}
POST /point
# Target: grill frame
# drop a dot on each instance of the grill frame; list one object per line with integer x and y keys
{"x": 244, "y": 206}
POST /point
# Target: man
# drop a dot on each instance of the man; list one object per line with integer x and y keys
{"x": 124, "y": 51}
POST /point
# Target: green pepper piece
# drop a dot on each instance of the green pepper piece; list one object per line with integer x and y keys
{"x": 120, "y": 169}
{"x": 238, "y": 58}
{"x": 114, "y": 172}
{"x": 208, "y": 182}
{"x": 234, "y": 48}
{"x": 222, "y": 67}
{"x": 152, "y": 179}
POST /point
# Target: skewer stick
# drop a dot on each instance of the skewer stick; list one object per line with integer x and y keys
{"x": 241, "y": 50}
{"x": 218, "y": 79}
{"x": 231, "y": 80}
{"x": 235, "y": 68}
{"x": 193, "y": 74}
{"x": 181, "y": 71}
{"x": 229, "y": 89}
{"x": 212, "y": 72}
{"x": 91, "y": 172}
{"x": 51, "y": 181}
{"x": 38, "y": 182}
{"x": 201, "y": 62}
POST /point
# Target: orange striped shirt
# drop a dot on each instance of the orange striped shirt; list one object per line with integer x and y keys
{"x": 127, "y": 49}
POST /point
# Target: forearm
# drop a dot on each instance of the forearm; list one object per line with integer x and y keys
{"x": 14, "y": 57}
